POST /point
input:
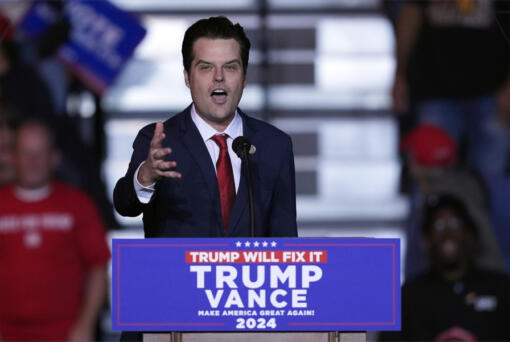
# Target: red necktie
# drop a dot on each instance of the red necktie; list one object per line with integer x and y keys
{"x": 225, "y": 179}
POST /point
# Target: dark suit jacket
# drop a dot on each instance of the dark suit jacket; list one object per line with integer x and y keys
{"x": 190, "y": 206}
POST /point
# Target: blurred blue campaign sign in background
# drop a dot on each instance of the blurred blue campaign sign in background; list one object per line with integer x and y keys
{"x": 102, "y": 37}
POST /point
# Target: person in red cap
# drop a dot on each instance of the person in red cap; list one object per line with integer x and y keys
{"x": 430, "y": 146}
{"x": 431, "y": 155}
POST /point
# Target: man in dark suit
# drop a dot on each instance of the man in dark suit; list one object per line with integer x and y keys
{"x": 184, "y": 176}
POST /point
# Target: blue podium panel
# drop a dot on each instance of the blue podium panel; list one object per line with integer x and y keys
{"x": 256, "y": 284}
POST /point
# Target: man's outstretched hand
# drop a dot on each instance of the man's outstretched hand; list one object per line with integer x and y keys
{"x": 155, "y": 166}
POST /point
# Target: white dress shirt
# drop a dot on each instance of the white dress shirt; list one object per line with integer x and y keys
{"x": 234, "y": 130}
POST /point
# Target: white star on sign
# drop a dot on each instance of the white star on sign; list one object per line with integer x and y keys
{"x": 239, "y": 244}
{"x": 256, "y": 244}
{"x": 273, "y": 244}
{"x": 264, "y": 244}
{"x": 247, "y": 244}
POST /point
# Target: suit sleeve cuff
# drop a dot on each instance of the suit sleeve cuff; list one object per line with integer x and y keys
{"x": 144, "y": 193}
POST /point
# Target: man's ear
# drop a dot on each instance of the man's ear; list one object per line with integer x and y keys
{"x": 186, "y": 78}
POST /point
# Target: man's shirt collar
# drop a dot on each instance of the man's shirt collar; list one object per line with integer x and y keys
{"x": 234, "y": 129}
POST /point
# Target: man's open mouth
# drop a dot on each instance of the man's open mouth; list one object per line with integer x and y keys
{"x": 218, "y": 92}
{"x": 219, "y": 96}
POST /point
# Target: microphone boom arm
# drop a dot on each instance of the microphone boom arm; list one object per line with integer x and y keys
{"x": 243, "y": 148}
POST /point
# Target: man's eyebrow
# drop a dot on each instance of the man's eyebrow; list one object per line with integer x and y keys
{"x": 201, "y": 61}
{"x": 234, "y": 61}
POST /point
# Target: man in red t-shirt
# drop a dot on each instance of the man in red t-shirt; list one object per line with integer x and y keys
{"x": 53, "y": 252}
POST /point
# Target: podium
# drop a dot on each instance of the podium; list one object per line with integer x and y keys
{"x": 252, "y": 289}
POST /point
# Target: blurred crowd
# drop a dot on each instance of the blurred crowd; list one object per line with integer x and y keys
{"x": 54, "y": 211}
{"x": 452, "y": 96}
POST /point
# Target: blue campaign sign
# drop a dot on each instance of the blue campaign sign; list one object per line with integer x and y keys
{"x": 102, "y": 37}
{"x": 38, "y": 18}
{"x": 256, "y": 284}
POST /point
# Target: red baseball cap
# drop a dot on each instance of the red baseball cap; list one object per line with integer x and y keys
{"x": 430, "y": 145}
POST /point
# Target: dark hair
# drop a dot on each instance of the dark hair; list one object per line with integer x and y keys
{"x": 214, "y": 28}
{"x": 436, "y": 202}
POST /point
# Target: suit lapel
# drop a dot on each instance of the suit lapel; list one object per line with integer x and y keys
{"x": 195, "y": 144}
{"x": 241, "y": 203}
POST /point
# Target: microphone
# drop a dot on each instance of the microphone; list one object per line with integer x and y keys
{"x": 241, "y": 145}
{"x": 243, "y": 148}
